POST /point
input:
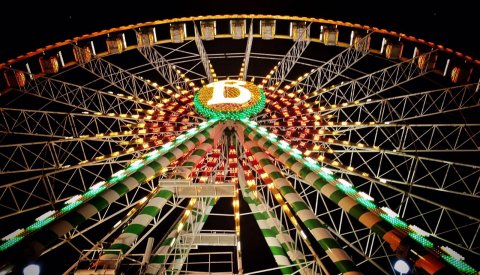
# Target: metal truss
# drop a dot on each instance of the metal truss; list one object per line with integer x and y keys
{"x": 409, "y": 138}
{"x": 129, "y": 83}
{"x": 370, "y": 85}
{"x": 331, "y": 69}
{"x": 362, "y": 241}
{"x": 47, "y": 189}
{"x": 203, "y": 54}
{"x": 400, "y": 174}
{"x": 79, "y": 97}
{"x": 289, "y": 60}
{"x": 164, "y": 68}
{"x": 56, "y": 124}
{"x": 422, "y": 172}
{"x": 411, "y": 106}
{"x": 248, "y": 50}
{"x": 50, "y": 155}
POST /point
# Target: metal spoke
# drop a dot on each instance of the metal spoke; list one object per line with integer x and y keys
{"x": 248, "y": 50}
{"x": 369, "y": 85}
{"x": 289, "y": 59}
{"x": 203, "y": 54}
{"x": 127, "y": 82}
{"x": 411, "y": 106}
{"x": 79, "y": 97}
{"x": 57, "y": 124}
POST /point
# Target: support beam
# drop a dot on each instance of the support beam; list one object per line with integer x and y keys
{"x": 117, "y": 186}
{"x": 154, "y": 204}
{"x": 272, "y": 231}
{"x": 334, "y": 251}
{"x": 248, "y": 49}
{"x": 80, "y": 97}
{"x": 164, "y": 68}
{"x": 203, "y": 54}
{"x": 57, "y": 124}
{"x": 383, "y": 223}
{"x": 127, "y": 82}
{"x": 289, "y": 60}
{"x": 369, "y": 85}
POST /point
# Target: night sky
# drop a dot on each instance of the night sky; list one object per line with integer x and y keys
{"x": 453, "y": 25}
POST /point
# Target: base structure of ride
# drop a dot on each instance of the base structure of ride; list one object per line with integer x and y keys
{"x": 321, "y": 147}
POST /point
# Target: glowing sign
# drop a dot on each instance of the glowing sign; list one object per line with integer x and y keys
{"x": 229, "y": 99}
{"x": 218, "y": 96}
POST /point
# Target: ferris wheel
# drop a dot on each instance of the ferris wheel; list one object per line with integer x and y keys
{"x": 241, "y": 144}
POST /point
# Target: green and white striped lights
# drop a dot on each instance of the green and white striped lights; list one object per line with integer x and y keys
{"x": 77, "y": 200}
{"x": 415, "y": 233}
{"x": 229, "y": 99}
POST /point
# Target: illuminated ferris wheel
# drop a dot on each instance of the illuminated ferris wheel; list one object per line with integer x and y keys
{"x": 241, "y": 144}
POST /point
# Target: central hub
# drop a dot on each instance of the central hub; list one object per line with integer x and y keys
{"x": 229, "y": 99}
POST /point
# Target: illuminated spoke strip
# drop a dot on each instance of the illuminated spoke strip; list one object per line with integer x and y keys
{"x": 187, "y": 94}
{"x": 100, "y": 160}
{"x": 315, "y": 147}
{"x": 422, "y": 137}
{"x": 98, "y": 197}
{"x": 281, "y": 245}
{"x": 155, "y": 204}
{"x": 278, "y": 99}
{"x": 381, "y": 221}
{"x": 153, "y": 116}
{"x": 324, "y": 238}
{"x": 295, "y": 113}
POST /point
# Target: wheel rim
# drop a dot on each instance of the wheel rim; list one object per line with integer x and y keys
{"x": 395, "y": 128}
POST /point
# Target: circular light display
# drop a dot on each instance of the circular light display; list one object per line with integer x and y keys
{"x": 229, "y": 99}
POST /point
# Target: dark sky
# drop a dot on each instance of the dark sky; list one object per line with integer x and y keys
{"x": 25, "y": 27}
